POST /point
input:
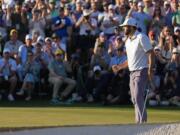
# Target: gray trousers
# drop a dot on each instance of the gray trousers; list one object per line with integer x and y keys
{"x": 138, "y": 81}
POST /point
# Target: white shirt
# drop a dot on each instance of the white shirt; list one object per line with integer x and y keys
{"x": 84, "y": 27}
{"x": 109, "y": 29}
{"x": 136, "y": 49}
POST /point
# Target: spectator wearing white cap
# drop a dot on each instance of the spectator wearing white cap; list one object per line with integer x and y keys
{"x": 110, "y": 20}
{"x": 143, "y": 19}
{"x": 177, "y": 37}
{"x": 87, "y": 24}
{"x": 24, "y": 49}
{"x": 167, "y": 7}
{"x": 8, "y": 73}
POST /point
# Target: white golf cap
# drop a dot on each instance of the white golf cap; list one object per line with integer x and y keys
{"x": 97, "y": 68}
{"x": 175, "y": 50}
{"x": 129, "y": 22}
{"x": 40, "y": 39}
{"x": 6, "y": 50}
{"x": 86, "y": 12}
{"x": 28, "y": 37}
{"x": 111, "y": 6}
{"x": 176, "y": 29}
{"x": 157, "y": 48}
{"x": 141, "y": 4}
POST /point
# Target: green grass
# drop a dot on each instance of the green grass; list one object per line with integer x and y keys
{"x": 21, "y": 114}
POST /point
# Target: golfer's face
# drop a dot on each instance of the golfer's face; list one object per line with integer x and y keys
{"x": 127, "y": 30}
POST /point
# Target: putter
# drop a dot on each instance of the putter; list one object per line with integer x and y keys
{"x": 147, "y": 92}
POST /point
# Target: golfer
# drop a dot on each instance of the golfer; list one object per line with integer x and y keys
{"x": 140, "y": 60}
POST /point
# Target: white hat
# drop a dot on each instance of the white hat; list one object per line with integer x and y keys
{"x": 40, "y": 39}
{"x": 157, "y": 48}
{"x": 129, "y": 22}
{"x": 141, "y": 4}
{"x": 28, "y": 37}
{"x": 175, "y": 50}
{"x": 97, "y": 68}
{"x": 4, "y": 6}
{"x": 6, "y": 50}
{"x": 111, "y": 6}
{"x": 86, "y": 12}
{"x": 48, "y": 39}
{"x": 166, "y": 3}
{"x": 176, "y": 28}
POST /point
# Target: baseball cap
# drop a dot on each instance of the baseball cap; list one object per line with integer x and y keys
{"x": 40, "y": 39}
{"x": 28, "y": 37}
{"x": 96, "y": 68}
{"x": 48, "y": 39}
{"x": 59, "y": 52}
{"x": 6, "y": 50}
{"x": 13, "y": 31}
{"x": 157, "y": 48}
{"x": 86, "y": 12}
{"x": 129, "y": 22}
{"x": 141, "y": 4}
{"x": 175, "y": 50}
{"x": 176, "y": 29}
{"x": 111, "y": 6}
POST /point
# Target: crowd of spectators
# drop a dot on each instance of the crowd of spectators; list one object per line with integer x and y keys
{"x": 74, "y": 50}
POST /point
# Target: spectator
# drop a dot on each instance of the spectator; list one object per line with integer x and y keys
{"x": 31, "y": 76}
{"x": 87, "y": 24}
{"x": 60, "y": 25}
{"x": 96, "y": 85}
{"x": 152, "y": 37}
{"x": 24, "y": 49}
{"x": 176, "y": 14}
{"x": 158, "y": 22}
{"x": 100, "y": 57}
{"x": 58, "y": 76}
{"x": 171, "y": 80}
{"x": 118, "y": 87}
{"x": 37, "y": 23}
{"x": 13, "y": 44}
{"x": 8, "y": 72}
{"x": 143, "y": 19}
{"x": 110, "y": 20}
{"x": 118, "y": 42}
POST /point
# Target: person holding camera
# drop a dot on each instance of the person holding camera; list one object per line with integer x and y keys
{"x": 86, "y": 24}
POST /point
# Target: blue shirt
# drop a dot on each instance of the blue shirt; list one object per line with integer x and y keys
{"x": 63, "y": 31}
{"x": 118, "y": 60}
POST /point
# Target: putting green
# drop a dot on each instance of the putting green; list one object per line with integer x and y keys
{"x": 13, "y": 117}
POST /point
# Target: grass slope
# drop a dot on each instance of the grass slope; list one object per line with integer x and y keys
{"x": 40, "y": 115}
